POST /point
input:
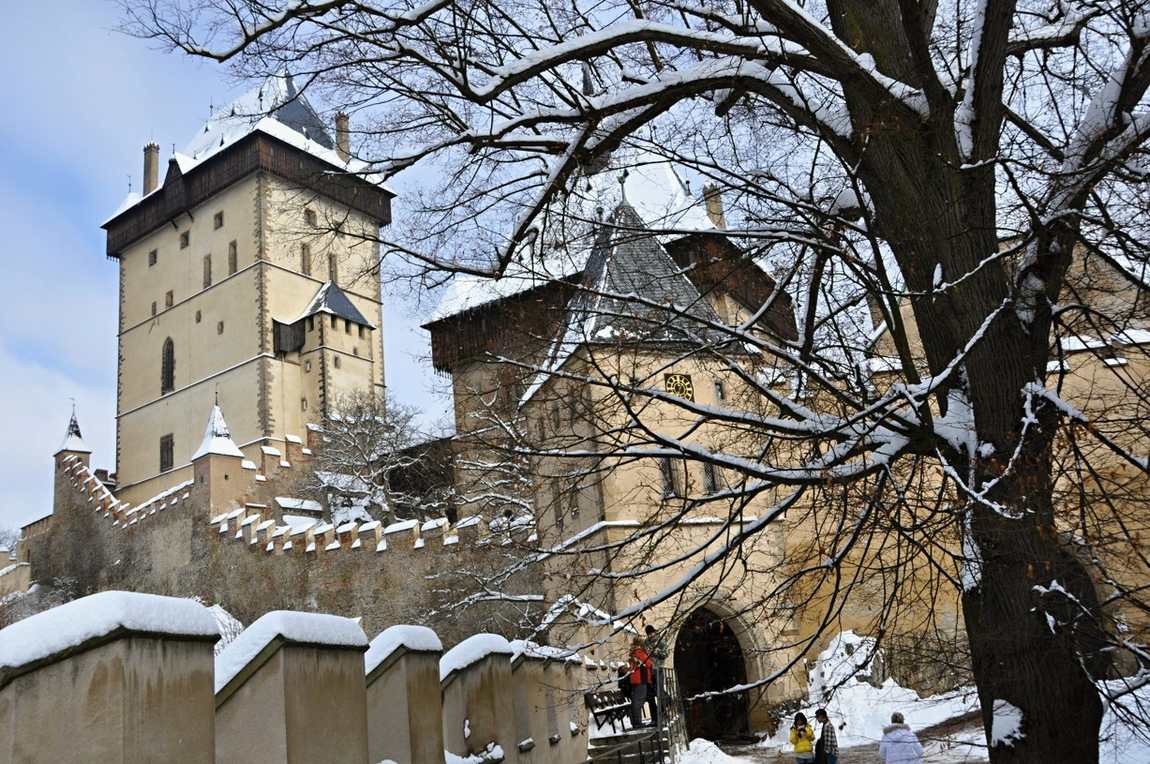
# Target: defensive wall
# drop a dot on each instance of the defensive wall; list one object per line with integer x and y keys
{"x": 220, "y": 539}
{"x": 132, "y": 677}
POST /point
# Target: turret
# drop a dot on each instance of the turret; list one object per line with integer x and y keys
{"x": 217, "y": 466}
{"x": 73, "y": 445}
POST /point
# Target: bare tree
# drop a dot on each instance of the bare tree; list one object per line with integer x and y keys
{"x": 368, "y": 449}
{"x": 960, "y": 159}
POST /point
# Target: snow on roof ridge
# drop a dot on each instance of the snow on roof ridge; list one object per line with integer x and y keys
{"x": 293, "y": 626}
{"x": 413, "y": 638}
{"x": 217, "y": 439}
{"x": 472, "y": 650}
{"x": 72, "y": 624}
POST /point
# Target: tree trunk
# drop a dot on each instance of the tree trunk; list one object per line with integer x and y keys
{"x": 1042, "y": 668}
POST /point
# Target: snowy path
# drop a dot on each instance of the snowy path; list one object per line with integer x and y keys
{"x": 947, "y": 743}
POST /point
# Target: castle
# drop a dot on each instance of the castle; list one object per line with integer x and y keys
{"x": 244, "y": 319}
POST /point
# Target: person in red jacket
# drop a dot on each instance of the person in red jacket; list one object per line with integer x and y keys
{"x": 642, "y": 670}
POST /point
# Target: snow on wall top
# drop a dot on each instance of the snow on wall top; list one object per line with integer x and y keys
{"x": 414, "y": 638}
{"x": 472, "y": 650}
{"x": 309, "y": 628}
{"x": 648, "y": 183}
{"x": 217, "y": 438}
{"x": 98, "y": 615}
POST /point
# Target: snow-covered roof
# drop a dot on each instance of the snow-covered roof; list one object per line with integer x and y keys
{"x": 333, "y": 300}
{"x": 275, "y": 108}
{"x": 289, "y": 502}
{"x": 73, "y": 441}
{"x": 629, "y": 263}
{"x": 649, "y": 184}
{"x": 217, "y": 440}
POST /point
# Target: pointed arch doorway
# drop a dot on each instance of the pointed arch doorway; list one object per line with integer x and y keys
{"x": 708, "y": 657}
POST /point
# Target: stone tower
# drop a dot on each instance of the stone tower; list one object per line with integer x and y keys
{"x": 245, "y": 273}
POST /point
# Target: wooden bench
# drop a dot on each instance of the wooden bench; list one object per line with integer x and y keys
{"x": 608, "y": 706}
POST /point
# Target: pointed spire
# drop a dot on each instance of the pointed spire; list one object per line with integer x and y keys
{"x": 73, "y": 441}
{"x": 217, "y": 438}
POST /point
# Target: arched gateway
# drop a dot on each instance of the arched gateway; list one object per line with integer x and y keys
{"x": 708, "y": 657}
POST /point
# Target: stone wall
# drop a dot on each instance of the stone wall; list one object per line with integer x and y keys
{"x": 250, "y": 564}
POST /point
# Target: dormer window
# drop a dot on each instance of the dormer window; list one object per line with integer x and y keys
{"x": 218, "y": 220}
{"x": 185, "y": 239}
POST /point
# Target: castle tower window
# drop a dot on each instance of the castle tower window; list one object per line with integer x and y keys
{"x": 362, "y": 332}
{"x": 185, "y": 239}
{"x": 355, "y": 352}
{"x": 220, "y": 327}
{"x": 311, "y": 323}
{"x": 332, "y": 268}
{"x": 199, "y": 316}
{"x": 667, "y": 473}
{"x": 337, "y": 362}
{"x": 303, "y": 404}
{"x": 168, "y": 367}
{"x": 233, "y": 258}
{"x": 333, "y": 322}
{"x": 346, "y": 326}
{"x": 207, "y": 271}
{"x": 309, "y": 217}
{"x": 152, "y": 257}
{"x": 710, "y": 478}
{"x": 307, "y": 367}
{"x": 305, "y": 259}
{"x": 218, "y": 220}
{"x": 167, "y": 452}
{"x": 169, "y": 299}
{"x": 720, "y": 391}
{"x": 153, "y": 307}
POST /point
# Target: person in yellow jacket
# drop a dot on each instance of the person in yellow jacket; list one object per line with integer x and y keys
{"x": 803, "y": 740}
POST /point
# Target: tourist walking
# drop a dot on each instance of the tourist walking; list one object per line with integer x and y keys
{"x": 642, "y": 670}
{"x": 803, "y": 740}
{"x": 827, "y": 748}
{"x": 899, "y": 745}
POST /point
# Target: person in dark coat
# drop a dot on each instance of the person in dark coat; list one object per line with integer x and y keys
{"x": 658, "y": 654}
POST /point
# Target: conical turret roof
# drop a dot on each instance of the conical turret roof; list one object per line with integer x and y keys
{"x": 73, "y": 441}
{"x": 217, "y": 438}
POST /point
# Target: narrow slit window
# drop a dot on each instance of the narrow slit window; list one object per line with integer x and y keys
{"x": 218, "y": 220}
{"x": 305, "y": 259}
{"x": 233, "y": 258}
{"x": 207, "y": 271}
{"x": 167, "y": 452}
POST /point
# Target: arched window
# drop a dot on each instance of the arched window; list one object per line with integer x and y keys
{"x": 168, "y": 367}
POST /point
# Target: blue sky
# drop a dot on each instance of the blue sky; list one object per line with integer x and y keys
{"x": 81, "y": 102}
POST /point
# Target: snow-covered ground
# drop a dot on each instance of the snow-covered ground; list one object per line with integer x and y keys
{"x": 860, "y": 710}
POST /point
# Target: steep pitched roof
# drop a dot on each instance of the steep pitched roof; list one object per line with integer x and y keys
{"x": 217, "y": 439}
{"x": 275, "y": 107}
{"x": 653, "y": 188}
{"x": 73, "y": 441}
{"x": 331, "y": 299}
{"x": 632, "y": 292}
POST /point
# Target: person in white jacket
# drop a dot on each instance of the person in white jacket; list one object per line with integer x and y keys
{"x": 899, "y": 745}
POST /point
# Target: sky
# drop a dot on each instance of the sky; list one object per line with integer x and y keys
{"x": 82, "y": 100}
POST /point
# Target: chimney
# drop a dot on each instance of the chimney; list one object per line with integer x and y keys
{"x": 342, "y": 136}
{"x": 151, "y": 167}
{"x": 714, "y": 201}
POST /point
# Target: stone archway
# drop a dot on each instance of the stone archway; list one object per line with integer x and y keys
{"x": 709, "y": 657}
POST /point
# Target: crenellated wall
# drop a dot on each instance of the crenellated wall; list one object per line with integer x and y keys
{"x": 250, "y": 562}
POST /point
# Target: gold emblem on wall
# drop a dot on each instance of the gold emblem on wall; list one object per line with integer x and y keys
{"x": 680, "y": 385}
